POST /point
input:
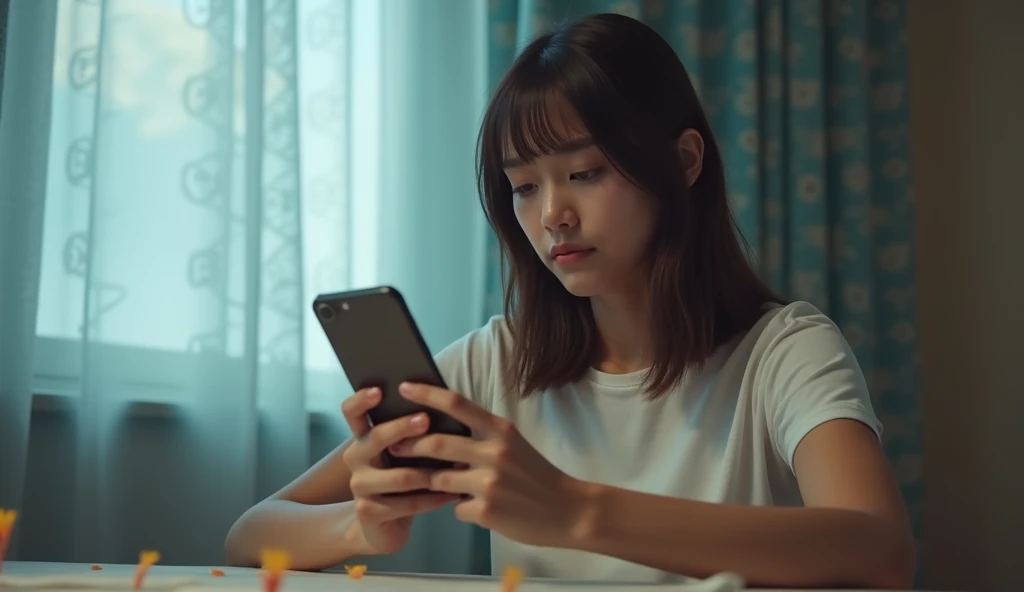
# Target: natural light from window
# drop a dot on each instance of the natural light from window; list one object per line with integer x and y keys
{"x": 164, "y": 167}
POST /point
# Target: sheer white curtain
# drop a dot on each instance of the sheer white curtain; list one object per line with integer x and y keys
{"x": 181, "y": 177}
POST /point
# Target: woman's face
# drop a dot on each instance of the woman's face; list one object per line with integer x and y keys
{"x": 588, "y": 224}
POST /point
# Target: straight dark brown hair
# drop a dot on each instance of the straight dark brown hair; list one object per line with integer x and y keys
{"x": 635, "y": 98}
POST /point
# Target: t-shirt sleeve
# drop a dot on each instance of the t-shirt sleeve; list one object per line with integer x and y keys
{"x": 810, "y": 376}
{"x": 471, "y": 365}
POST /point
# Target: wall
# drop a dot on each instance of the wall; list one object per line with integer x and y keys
{"x": 164, "y": 512}
{"x": 967, "y": 126}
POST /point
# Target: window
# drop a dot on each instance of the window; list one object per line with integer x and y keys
{"x": 204, "y": 184}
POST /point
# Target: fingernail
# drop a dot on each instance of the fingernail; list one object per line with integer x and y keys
{"x": 419, "y": 419}
{"x": 406, "y": 388}
{"x": 372, "y": 394}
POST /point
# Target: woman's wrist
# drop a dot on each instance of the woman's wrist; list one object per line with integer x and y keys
{"x": 584, "y": 513}
{"x": 353, "y": 541}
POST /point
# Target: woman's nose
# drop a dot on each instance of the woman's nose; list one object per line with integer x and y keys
{"x": 558, "y": 210}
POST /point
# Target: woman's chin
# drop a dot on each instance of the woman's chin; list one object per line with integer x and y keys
{"x": 581, "y": 287}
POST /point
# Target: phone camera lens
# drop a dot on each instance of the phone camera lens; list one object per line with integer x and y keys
{"x": 325, "y": 311}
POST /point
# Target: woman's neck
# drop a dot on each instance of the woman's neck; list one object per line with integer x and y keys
{"x": 623, "y": 327}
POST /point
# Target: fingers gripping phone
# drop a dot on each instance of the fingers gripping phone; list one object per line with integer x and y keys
{"x": 378, "y": 344}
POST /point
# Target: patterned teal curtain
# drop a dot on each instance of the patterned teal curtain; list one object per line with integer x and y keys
{"x": 808, "y": 100}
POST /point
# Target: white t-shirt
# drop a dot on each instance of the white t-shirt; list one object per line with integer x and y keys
{"x": 726, "y": 435}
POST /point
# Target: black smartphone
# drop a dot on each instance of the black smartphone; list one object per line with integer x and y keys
{"x": 378, "y": 344}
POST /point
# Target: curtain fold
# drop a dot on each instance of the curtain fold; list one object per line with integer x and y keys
{"x": 24, "y": 123}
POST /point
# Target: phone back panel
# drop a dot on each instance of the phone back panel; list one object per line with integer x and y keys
{"x": 378, "y": 344}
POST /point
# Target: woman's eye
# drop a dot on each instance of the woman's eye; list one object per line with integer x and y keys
{"x": 522, "y": 190}
{"x": 588, "y": 175}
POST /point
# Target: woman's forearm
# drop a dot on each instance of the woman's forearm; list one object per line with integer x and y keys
{"x": 316, "y": 536}
{"x": 802, "y": 547}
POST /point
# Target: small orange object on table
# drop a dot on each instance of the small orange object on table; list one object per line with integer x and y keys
{"x": 275, "y": 563}
{"x": 96, "y": 567}
{"x": 217, "y": 573}
{"x": 510, "y": 580}
{"x": 355, "y": 571}
{"x": 146, "y": 561}
{"x": 7, "y": 520}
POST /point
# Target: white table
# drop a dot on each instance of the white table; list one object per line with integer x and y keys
{"x": 247, "y": 579}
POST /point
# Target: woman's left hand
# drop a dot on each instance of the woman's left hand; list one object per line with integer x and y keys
{"x": 511, "y": 488}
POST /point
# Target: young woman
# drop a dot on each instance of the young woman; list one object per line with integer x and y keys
{"x": 646, "y": 408}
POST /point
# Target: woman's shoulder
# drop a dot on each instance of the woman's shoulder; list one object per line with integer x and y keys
{"x": 807, "y": 373}
{"x": 799, "y": 319}
{"x": 796, "y": 345}
{"x": 473, "y": 364}
{"x": 788, "y": 337}
{"x": 485, "y": 339}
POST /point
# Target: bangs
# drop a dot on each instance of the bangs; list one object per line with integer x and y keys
{"x": 529, "y": 122}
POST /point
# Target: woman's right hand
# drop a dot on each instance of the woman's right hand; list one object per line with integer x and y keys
{"x": 383, "y": 515}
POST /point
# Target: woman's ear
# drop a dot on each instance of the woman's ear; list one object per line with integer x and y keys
{"x": 691, "y": 147}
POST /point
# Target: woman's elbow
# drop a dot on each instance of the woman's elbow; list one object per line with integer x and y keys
{"x": 899, "y": 566}
{"x": 237, "y": 551}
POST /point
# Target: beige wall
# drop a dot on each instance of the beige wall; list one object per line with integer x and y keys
{"x": 967, "y": 121}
